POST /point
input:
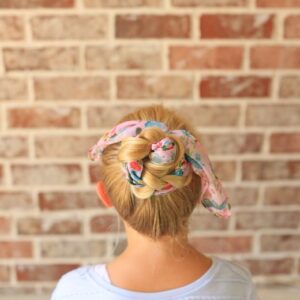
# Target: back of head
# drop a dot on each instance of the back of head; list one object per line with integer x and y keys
{"x": 151, "y": 214}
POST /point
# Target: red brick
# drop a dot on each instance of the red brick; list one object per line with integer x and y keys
{"x": 63, "y": 146}
{"x": 46, "y": 174}
{"x": 236, "y": 26}
{"x": 11, "y": 28}
{"x": 285, "y": 142}
{"x": 36, "y": 3}
{"x": 11, "y": 200}
{"x": 267, "y": 219}
{"x": 106, "y": 116}
{"x": 68, "y": 200}
{"x": 225, "y": 244}
{"x": 204, "y": 57}
{"x": 154, "y": 87}
{"x": 51, "y": 58}
{"x": 292, "y": 27}
{"x": 123, "y": 3}
{"x": 201, "y": 221}
{"x": 152, "y": 26}
{"x": 13, "y": 146}
{"x": 282, "y": 195}
{"x": 4, "y": 274}
{"x": 94, "y": 173}
{"x": 221, "y": 3}
{"x": 49, "y": 225}
{"x": 4, "y": 225}
{"x": 72, "y": 88}
{"x": 282, "y": 242}
{"x": 211, "y": 116}
{"x": 273, "y": 115}
{"x": 226, "y": 170}
{"x": 123, "y": 57}
{"x": 1, "y": 175}
{"x": 234, "y": 87}
{"x": 105, "y": 224}
{"x": 232, "y": 143}
{"x": 70, "y": 27}
{"x": 68, "y": 249}
{"x": 42, "y": 272}
{"x": 275, "y": 57}
{"x": 278, "y": 3}
{"x": 16, "y": 249}
{"x": 271, "y": 170}
{"x": 289, "y": 87}
{"x": 43, "y": 117}
{"x": 13, "y": 89}
{"x": 242, "y": 196}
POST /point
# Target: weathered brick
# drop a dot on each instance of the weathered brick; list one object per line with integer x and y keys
{"x": 211, "y": 116}
{"x": 152, "y": 26}
{"x": 201, "y": 221}
{"x": 280, "y": 242}
{"x": 278, "y": 115}
{"x": 42, "y": 272}
{"x": 16, "y": 249}
{"x": 105, "y": 224}
{"x": 278, "y": 3}
{"x": 11, "y": 28}
{"x": 267, "y": 219}
{"x": 269, "y": 266}
{"x": 46, "y": 174}
{"x": 67, "y": 249}
{"x": 154, "y": 87}
{"x": 282, "y": 195}
{"x": 49, "y": 225}
{"x": 271, "y": 170}
{"x": 13, "y": 146}
{"x": 236, "y": 26}
{"x": 226, "y": 170}
{"x": 13, "y": 89}
{"x": 225, "y": 244}
{"x": 43, "y": 117}
{"x": 72, "y": 88}
{"x": 5, "y": 225}
{"x": 206, "y": 57}
{"x": 106, "y": 116}
{"x": 289, "y": 87}
{"x": 235, "y": 87}
{"x": 208, "y": 3}
{"x": 68, "y": 200}
{"x": 11, "y": 200}
{"x": 242, "y": 196}
{"x": 123, "y": 57}
{"x": 123, "y": 3}
{"x": 292, "y": 27}
{"x": 4, "y": 273}
{"x": 36, "y": 4}
{"x": 275, "y": 57}
{"x": 232, "y": 143}
{"x": 2, "y": 175}
{"x": 285, "y": 142}
{"x": 63, "y": 146}
{"x": 50, "y": 58}
{"x": 79, "y": 27}
{"x": 94, "y": 173}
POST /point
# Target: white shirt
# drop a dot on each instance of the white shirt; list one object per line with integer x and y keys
{"x": 224, "y": 280}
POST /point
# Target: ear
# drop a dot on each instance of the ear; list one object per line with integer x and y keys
{"x": 102, "y": 194}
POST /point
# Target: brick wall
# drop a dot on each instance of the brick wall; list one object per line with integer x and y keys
{"x": 69, "y": 69}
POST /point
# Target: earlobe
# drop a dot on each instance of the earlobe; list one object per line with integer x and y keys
{"x": 102, "y": 194}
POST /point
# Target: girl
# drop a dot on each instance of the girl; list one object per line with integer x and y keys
{"x": 155, "y": 172}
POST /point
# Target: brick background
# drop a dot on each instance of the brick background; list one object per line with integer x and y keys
{"x": 70, "y": 68}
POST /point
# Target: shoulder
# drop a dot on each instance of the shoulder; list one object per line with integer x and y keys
{"x": 234, "y": 271}
{"x": 75, "y": 282}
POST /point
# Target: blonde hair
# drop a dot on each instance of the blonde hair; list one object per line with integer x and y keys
{"x": 152, "y": 215}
